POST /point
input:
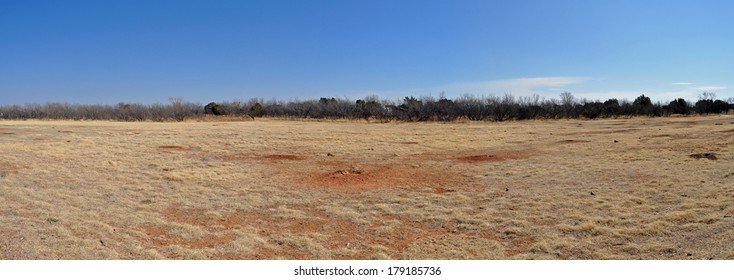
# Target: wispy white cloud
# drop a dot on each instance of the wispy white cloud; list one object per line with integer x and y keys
{"x": 710, "y": 88}
{"x": 545, "y": 86}
{"x": 699, "y": 88}
{"x": 690, "y": 92}
{"x": 520, "y": 86}
{"x": 388, "y": 93}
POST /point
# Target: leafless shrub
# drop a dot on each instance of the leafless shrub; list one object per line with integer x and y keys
{"x": 495, "y": 108}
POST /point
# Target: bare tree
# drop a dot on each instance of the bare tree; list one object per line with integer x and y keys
{"x": 567, "y": 99}
{"x": 707, "y": 96}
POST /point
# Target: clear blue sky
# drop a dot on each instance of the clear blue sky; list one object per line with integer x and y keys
{"x": 145, "y": 51}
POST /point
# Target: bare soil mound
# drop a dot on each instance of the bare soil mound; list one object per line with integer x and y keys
{"x": 376, "y": 176}
{"x": 352, "y": 178}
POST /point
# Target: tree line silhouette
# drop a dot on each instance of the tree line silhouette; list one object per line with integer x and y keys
{"x": 486, "y": 108}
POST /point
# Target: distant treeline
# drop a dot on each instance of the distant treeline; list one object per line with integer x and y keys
{"x": 494, "y": 108}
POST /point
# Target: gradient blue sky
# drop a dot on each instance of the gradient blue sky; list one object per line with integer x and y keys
{"x": 145, "y": 51}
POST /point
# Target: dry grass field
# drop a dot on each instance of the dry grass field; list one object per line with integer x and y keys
{"x": 640, "y": 188}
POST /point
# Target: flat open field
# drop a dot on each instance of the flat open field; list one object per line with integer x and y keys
{"x": 274, "y": 189}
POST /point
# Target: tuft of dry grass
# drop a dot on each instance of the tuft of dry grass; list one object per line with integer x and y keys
{"x": 635, "y": 188}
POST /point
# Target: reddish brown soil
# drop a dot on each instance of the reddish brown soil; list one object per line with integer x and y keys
{"x": 495, "y": 157}
{"x": 285, "y": 157}
{"x": 373, "y": 176}
{"x": 331, "y": 174}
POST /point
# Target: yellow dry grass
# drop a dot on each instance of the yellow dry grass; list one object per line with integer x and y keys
{"x": 277, "y": 189}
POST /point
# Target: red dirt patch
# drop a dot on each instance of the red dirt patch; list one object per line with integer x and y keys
{"x": 709, "y": 156}
{"x": 495, "y": 157}
{"x": 376, "y": 176}
{"x": 285, "y": 157}
{"x": 349, "y": 179}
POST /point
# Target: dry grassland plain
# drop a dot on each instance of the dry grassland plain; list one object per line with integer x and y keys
{"x": 641, "y": 188}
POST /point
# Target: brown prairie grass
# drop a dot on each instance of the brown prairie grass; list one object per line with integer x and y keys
{"x": 634, "y": 188}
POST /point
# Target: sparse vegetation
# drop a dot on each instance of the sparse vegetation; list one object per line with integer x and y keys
{"x": 464, "y": 190}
